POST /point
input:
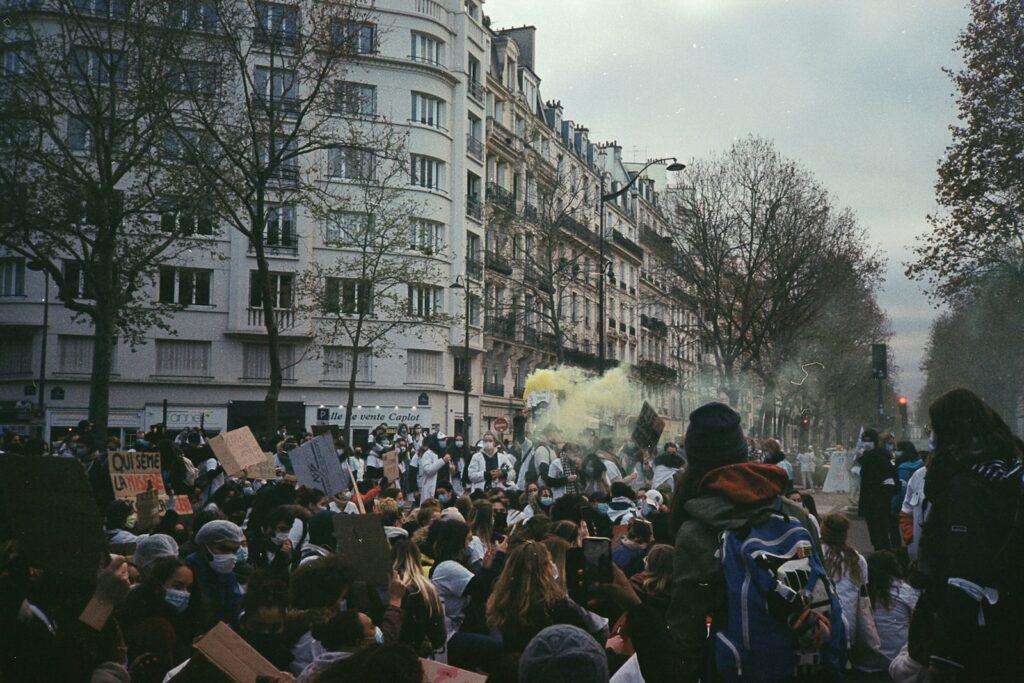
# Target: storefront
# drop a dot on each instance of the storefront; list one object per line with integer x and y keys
{"x": 211, "y": 419}
{"x": 121, "y": 424}
{"x": 366, "y": 418}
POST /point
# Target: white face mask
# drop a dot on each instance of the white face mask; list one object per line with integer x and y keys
{"x": 177, "y": 599}
{"x": 223, "y": 564}
{"x": 280, "y": 538}
{"x": 489, "y": 447}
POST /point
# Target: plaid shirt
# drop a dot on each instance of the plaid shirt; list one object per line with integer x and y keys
{"x": 568, "y": 467}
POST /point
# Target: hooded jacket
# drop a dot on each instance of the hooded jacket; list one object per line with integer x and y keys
{"x": 729, "y": 497}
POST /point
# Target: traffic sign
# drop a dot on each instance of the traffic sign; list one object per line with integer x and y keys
{"x": 501, "y": 425}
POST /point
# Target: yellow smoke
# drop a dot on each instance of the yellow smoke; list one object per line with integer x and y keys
{"x": 586, "y": 403}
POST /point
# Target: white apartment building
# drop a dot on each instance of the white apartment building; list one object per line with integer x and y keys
{"x": 480, "y": 138}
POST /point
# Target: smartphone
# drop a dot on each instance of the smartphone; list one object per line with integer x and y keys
{"x": 597, "y": 560}
{"x": 575, "y": 584}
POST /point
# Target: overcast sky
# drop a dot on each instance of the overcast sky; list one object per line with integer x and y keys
{"x": 853, "y": 90}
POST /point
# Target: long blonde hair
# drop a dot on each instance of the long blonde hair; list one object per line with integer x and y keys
{"x": 558, "y": 547}
{"x": 408, "y": 564}
{"x": 526, "y": 586}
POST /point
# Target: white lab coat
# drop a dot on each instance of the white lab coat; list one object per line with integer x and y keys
{"x": 477, "y": 472}
{"x": 426, "y": 475}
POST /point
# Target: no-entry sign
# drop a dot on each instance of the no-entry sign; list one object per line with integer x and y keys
{"x": 501, "y": 425}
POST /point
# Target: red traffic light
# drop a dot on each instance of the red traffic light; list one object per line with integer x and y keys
{"x": 903, "y": 400}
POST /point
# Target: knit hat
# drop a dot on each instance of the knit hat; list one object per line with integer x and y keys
{"x": 714, "y": 437}
{"x": 219, "y": 530}
{"x": 870, "y": 435}
{"x": 152, "y": 548}
{"x": 563, "y": 652}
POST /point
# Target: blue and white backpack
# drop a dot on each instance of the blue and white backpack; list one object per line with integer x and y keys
{"x": 785, "y": 620}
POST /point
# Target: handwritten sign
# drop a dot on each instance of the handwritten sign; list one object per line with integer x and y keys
{"x": 317, "y": 466}
{"x": 362, "y": 542}
{"x": 264, "y": 471}
{"x": 182, "y": 505}
{"x": 147, "y": 509}
{"x": 648, "y": 427}
{"x": 222, "y": 655}
{"x": 436, "y": 672}
{"x": 391, "y": 469}
{"x": 133, "y": 472}
{"x": 237, "y": 450}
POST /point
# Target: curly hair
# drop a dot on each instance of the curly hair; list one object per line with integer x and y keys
{"x": 526, "y": 589}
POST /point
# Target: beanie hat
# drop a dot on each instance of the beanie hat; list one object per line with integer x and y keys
{"x": 563, "y": 652}
{"x": 714, "y": 437}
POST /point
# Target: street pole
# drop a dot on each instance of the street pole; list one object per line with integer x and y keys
{"x": 467, "y": 366}
{"x": 42, "y": 358}
{"x": 881, "y": 405}
{"x": 601, "y": 323}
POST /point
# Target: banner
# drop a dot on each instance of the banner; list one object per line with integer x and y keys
{"x": 648, "y": 428}
{"x": 134, "y": 472}
{"x": 317, "y": 466}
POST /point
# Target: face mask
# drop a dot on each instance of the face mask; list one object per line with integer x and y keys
{"x": 489, "y": 447}
{"x": 931, "y": 443}
{"x": 444, "y": 498}
{"x": 546, "y": 500}
{"x": 442, "y": 442}
{"x": 602, "y": 508}
{"x": 243, "y": 553}
{"x": 247, "y": 491}
{"x": 280, "y": 538}
{"x": 378, "y": 635}
{"x": 646, "y": 509}
{"x": 223, "y": 564}
{"x": 867, "y": 445}
{"x": 458, "y": 444}
{"x": 177, "y": 599}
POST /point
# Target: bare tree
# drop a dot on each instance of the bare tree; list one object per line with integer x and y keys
{"x": 755, "y": 239}
{"x": 89, "y": 194}
{"x": 381, "y": 286}
{"x": 274, "y": 145}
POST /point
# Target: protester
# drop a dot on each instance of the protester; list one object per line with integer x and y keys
{"x": 808, "y": 464}
{"x": 878, "y": 485}
{"x": 630, "y": 554}
{"x": 847, "y": 569}
{"x": 892, "y": 604}
{"x": 774, "y": 455}
{"x": 213, "y": 565}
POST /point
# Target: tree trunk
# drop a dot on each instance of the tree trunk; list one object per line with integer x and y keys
{"x": 270, "y": 413}
{"x": 350, "y": 400}
{"x": 105, "y": 328}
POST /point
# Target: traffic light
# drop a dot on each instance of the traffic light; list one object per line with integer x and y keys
{"x": 805, "y": 420}
{"x": 879, "y": 361}
{"x": 903, "y": 401}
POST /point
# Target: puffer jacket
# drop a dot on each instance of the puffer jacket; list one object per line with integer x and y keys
{"x": 730, "y": 497}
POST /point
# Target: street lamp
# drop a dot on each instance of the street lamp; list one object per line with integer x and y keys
{"x": 463, "y": 283}
{"x": 673, "y": 165}
{"x": 37, "y": 265}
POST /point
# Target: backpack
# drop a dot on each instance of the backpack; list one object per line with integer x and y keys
{"x": 784, "y": 619}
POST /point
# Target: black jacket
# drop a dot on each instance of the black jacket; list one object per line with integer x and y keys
{"x": 878, "y": 481}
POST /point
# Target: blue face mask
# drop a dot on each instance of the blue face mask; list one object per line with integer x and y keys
{"x": 546, "y": 500}
{"x": 243, "y": 553}
{"x": 602, "y": 508}
{"x": 646, "y": 509}
{"x": 444, "y": 498}
{"x": 177, "y": 599}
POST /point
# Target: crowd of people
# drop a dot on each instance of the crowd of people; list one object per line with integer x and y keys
{"x": 719, "y": 566}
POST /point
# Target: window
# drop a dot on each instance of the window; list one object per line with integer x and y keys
{"x": 256, "y": 361}
{"x": 356, "y": 37}
{"x": 194, "y": 15}
{"x": 284, "y": 160}
{"x": 426, "y": 235}
{"x": 12, "y": 277}
{"x": 15, "y": 355}
{"x": 76, "y": 281}
{"x": 16, "y": 59}
{"x": 348, "y": 296}
{"x": 97, "y": 66}
{"x": 574, "y": 308}
{"x": 352, "y": 163}
{"x": 194, "y": 77}
{"x": 276, "y": 24}
{"x": 186, "y": 223}
{"x": 338, "y": 364}
{"x": 356, "y": 99}
{"x": 427, "y": 172}
{"x": 185, "y": 286}
{"x": 102, "y": 8}
{"x": 424, "y": 300}
{"x": 348, "y": 228}
{"x": 79, "y": 135}
{"x": 276, "y": 89}
{"x": 180, "y": 358}
{"x": 280, "y": 227}
{"x": 76, "y": 354}
{"x": 423, "y": 367}
{"x": 428, "y": 110}
{"x": 427, "y": 48}
{"x": 474, "y": 310}
{"x": 280, "y": 290}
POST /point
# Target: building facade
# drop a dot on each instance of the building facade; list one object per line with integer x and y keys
{"x": 507, "y": 192}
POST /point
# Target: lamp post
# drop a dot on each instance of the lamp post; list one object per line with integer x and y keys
{"x": 36, "y": 265}
{"x": 603, "y": 323}
{"x": 463, "y": 283}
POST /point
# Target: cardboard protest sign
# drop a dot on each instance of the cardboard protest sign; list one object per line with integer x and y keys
{"x": 222, "y": 655}
{"x": 147, "y": 509}
{"x": 50, "y": 509}
{"x": 436, "y": 672}
{"x": 317, "y": 466}
{"x": 182, "y": 505}
{"x": 263, "y": 471}
{"x": 391, "y": 469}
{"x": 648, "y": 427}
{"x": 362, "y": 542}
{"x": 237, "y": 450}
{"x": 132, "y": 472}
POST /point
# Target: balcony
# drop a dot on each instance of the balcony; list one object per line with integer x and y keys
{"x": 627, "y": 244}
{"x": 431, "y": 8}
{"x": 657, "y": 327}
{"x": 286, "y": 175}
{"x": 503, "y": 326}
{"x": 474, "y": 209}
{"x": 285, "y": 247}
{"x": 530, "y": 212}
{"x": 474, "y": 267}
{"x": 285, "y": 318}
{"x": 651, "y": 372}
{"x": 542, "y": 340}
{"x": 494, "y": 389}
{"x": 277, "y": 104}
{"x": 622, "y": 327}
{"x": 518, "y": 391}
{"x": 476, "y": 91}
{"x": 499, "y": 195}
{"x": 498, "y": 262}
{"x": 274, "y": 39}
{"x": 462, "y": 384}
{"x": 474, "y": 147}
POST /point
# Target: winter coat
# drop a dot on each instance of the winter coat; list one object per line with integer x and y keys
{"x": 729, "y": 497}
{"x": 878, "y": 482}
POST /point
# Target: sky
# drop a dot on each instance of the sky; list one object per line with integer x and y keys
{"x": 854, "y": 91}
